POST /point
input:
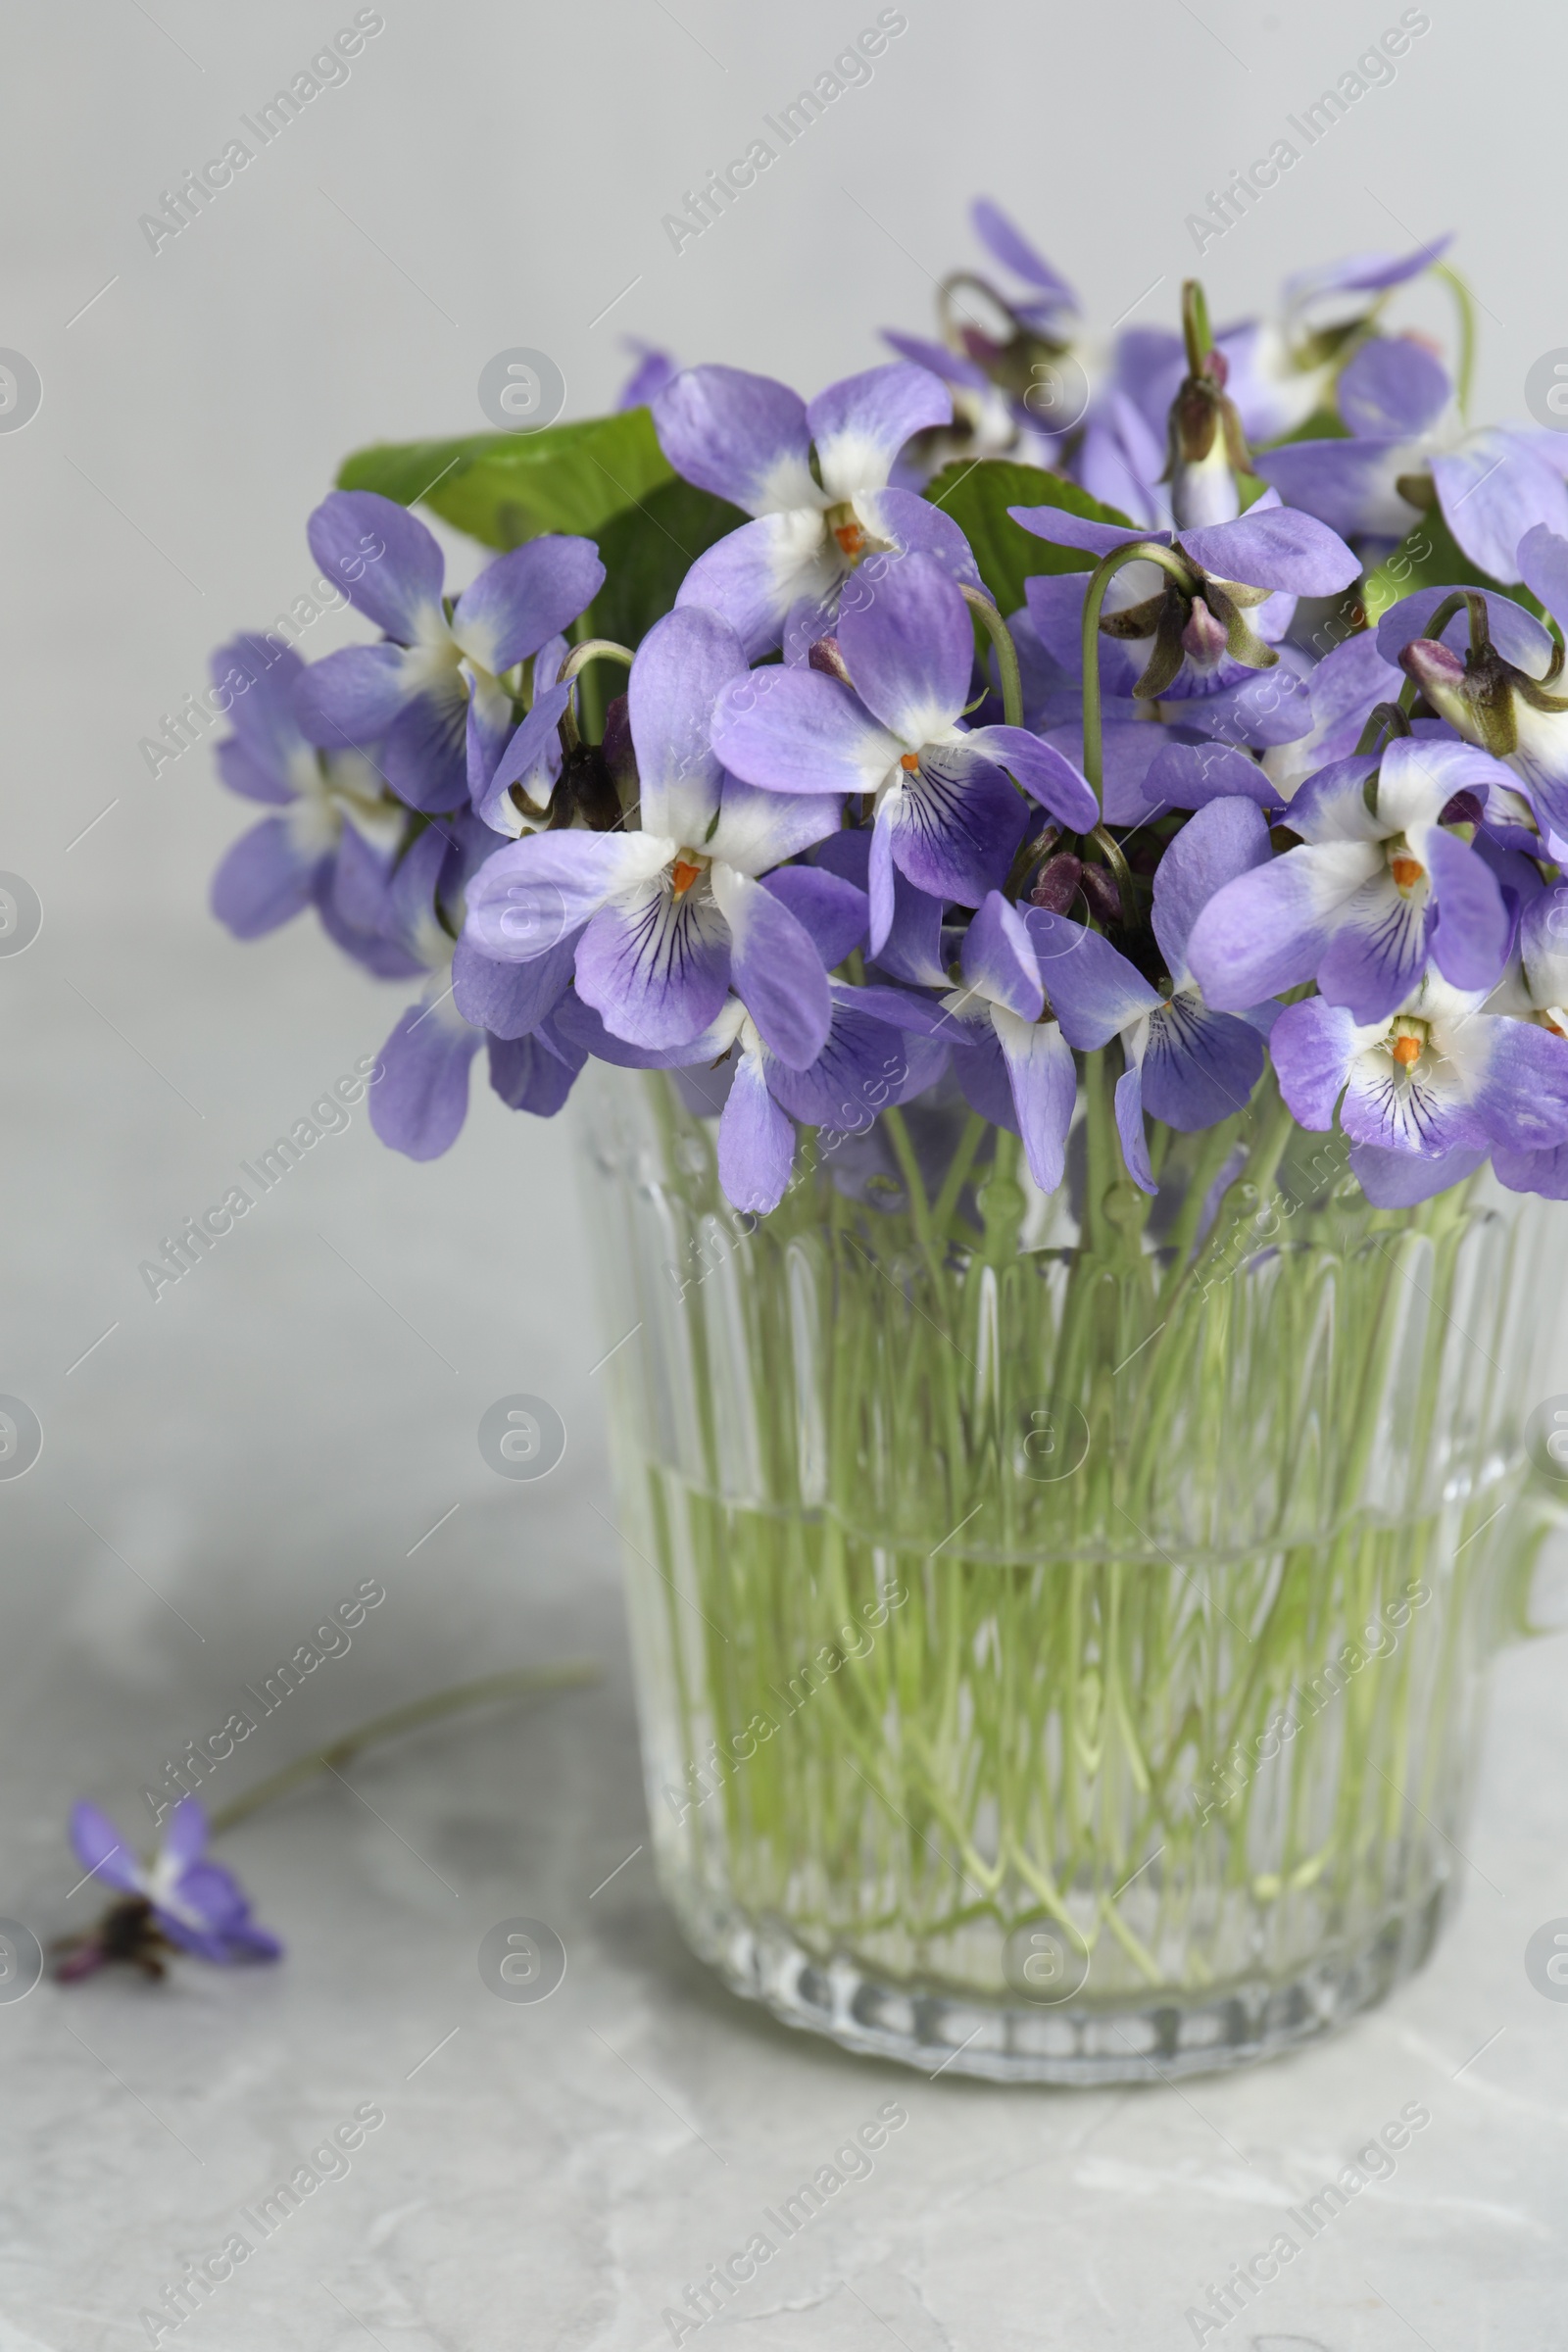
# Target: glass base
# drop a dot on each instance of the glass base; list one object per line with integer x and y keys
{"x": 1075, "y": 2045}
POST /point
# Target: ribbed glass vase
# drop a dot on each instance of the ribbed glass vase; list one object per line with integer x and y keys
{"x": 1060, "y": 1623}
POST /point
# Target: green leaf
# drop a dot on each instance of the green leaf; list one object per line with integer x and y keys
{"x": 647, "y": 551}
{"x": 1429, "y": 556}
{"x": 605, "y": 478}
{"x": 503, "y": 488}
{"x": 977, "y": 496}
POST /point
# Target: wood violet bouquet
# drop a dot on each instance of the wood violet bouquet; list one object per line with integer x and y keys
{"x": 1075, "y": 861}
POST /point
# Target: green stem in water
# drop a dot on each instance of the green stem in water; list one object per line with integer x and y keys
{"x": 1084, "y": 1677}
{"x": 1147, "y": 551}
{"x": 1000, "y": 636}
{"x": 914, "y": 1183}
{"x": 1273, "y": 1123}
{"x": 492, "y": 1690}
{"x": 969, "y": 1143}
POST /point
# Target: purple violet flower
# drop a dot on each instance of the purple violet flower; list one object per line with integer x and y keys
{"x": 1052, "y": 302}
{"x": 868, "y": 1062}
{"x": 658, "y": 924}
{"x": 1502, "y": 693}
{"x": 1200, "y": 653}
{"x": 180, "y": 1900}
{"x": 1490, "y": 486}
{"x": 1185, "y": 1062}
{"x": 1535, "y": 987}
{"x": 410, "y": 693}
{"x": 1282, "y": 372}
{"x": 1120, "y": 460}
{"x": 695, "y": 893}
{"x": 1437, "y": 1076}
{"x": 945, "y": 816}
{"x": 986, "y": 423}
{"x": 421, "y": 1099}
{"x": 1018, "y": 1068}
{"x": 335, "y": 832}
{"x": 1004, "y": 390}
{"x": 469, "y": 999}
{"x": 753, "y": 441}
{"x": 1378, "y": 885}
{"x": 1342, "y": 692}
{"x": 513, "y": 776}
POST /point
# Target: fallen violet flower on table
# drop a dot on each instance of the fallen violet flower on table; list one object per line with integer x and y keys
{"x": 178, "y": 1902}
{"x": 183, "y": 1902}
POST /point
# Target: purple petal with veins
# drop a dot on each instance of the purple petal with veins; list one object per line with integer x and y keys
{"x": 656, "y": 965}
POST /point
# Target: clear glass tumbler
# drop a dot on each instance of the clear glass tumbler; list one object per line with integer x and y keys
{"x": 1059, "y": 1622}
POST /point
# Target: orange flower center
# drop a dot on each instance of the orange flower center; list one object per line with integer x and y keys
{"x": 1406, "y": 1052}
{"x": 1405, "y": 869}
{"x": 910, "y": 760}
{"x": 683, "y": 874}
{"x": 850, "y": 537}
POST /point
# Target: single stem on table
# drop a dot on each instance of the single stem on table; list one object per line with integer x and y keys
{"x": 490, "y": 1690}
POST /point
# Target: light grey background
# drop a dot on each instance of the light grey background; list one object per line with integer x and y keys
{"x": 299, "y": 1412}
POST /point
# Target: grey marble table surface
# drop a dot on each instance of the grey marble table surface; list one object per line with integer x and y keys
{"x": 562, "y": 2173}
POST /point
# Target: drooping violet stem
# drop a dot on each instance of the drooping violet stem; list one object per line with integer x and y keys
{"x": 1451, "y": 605}
{"x": 1110, "y": 850}
{"x": 592, "y": 649}
{"x": 1147, "y": 550}
{"x": 1385, "y": 721}
{"x": 1000, "y": 636}
{"x": 953, "y": 333}
{"x": 1464, "y": 302}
